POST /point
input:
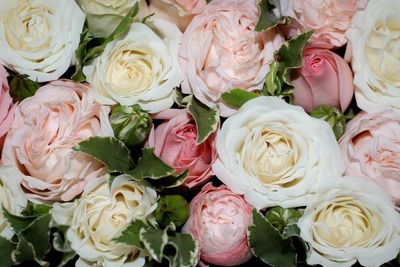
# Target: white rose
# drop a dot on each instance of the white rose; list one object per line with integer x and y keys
{"x": 351, "y": 219}
{"x": 102, "y": 213}
{"x": 276, "y": 154}
{"x": 140, "y": 68}
{"x": 39, "y": 37}
{"x": 12, "y": 197}
{"x": 374, "y": 37}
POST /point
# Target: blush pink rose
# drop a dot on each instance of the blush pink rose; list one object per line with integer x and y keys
{"x": 221, "y": 51}
{"x": 328, "y": 18}
{"x": 169, "y": 12}
{"x": 219, "y": 220}
{"x": 371, "y": 149}
{"x": 6, "y": 106}
{"x": 174, "y": 141}
{"x": 186, "y": 7}
{"x": 45, "y": 129}
{"x": 324, "y": 79}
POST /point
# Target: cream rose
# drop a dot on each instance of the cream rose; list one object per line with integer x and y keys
{"x": 351, "y": 219}
{"x": 46, "y": 127}
{"x": 140, "y": 68}
{"x": 374, "y": 37}
{"x": 276, "y": 154}
{"x": 39, "y": 38}
{"x": 102, "y": 213}
{"x": 12, "y": 198}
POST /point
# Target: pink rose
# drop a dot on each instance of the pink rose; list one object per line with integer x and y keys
{"x": 219, "y": 220}
{"x": 6, "y": 106}
{"x": 328, "y": 18}
{"x": 45, "y": 129}
{"x": 166, "y": 11}
{"x": 187, "y": 6}
{"x": 174, "y": 141}
{"x": 324, "y": 78}
{"x": 221, "y": 51}
{"x": 371, "y": 149}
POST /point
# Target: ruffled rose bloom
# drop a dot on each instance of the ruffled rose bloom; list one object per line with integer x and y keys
{"x": 219, "y": 220}
{"x": 139, "y": 68}
{"x": 350, "y": 219}
{"x": 174, "y": 141}
{"x": 371, "y": 149}
{"x": 102, "y": 213}
{"x": 39, "y": 38}
{"x": 12, "y": 198}
{"x": 324, "y": 79}
{"x": 46, "y": 127}
{"x": 374, "y": 39}
{"x": 221, "y": 51}
{"x": 329, "y": 18}
{"x": 275, "y": 154}
{"x": 6, "y": 106}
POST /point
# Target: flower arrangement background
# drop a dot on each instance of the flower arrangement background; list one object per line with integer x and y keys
{"x": 199, "y": 133}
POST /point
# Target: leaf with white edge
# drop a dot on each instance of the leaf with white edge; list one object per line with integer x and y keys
{"x": 131, "y": 236}
{"x": 35, "y": 209}
{"x": 178, "y": 97}
{"x": 154, "y": 241}
{"x": 60, "y": 243}
{"x": 268, "y": 19}
{"x": 237, "y": 97}
{"x": 280, "y": 218}
{"x": 206, "y": 119}
{"x": 6, "y": 247}
{"x": 291, "y": 230}
{"x": 66, "y": 258}
{"x": 38, "y": 234}
{"x": 109, "y": 150}
{"x": 267, "y": 243}
{"x": 149, "y": 166}
{"x": 18, "y": 223}
{"x": 169, "y": 181}
{"x": 273, "y": 84}
{"x": 186, "y": 250}
{"x": 25, "y": 252}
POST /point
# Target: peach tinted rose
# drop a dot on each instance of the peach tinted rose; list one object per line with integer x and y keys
{"x": 371, "y": 148}
{"x": 216, "y": 214}
{"x": 46, "y": 127}
{"x": 6, "y": 106}
{"x": 328, "y": 18}
{"x": 174, "y": 141}
{"x": 221, "y": 51}
{"x": 324, "y": 79}
{"x": 187, "y": 6}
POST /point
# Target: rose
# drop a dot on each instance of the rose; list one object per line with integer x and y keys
{"x": 46, "y": 127}
{"x": 6, "y": 106}
{"x": 174, "y": 141}
{"x": 185, "y": 7}
{"x": 221, "y": 50}
{"x": 375, "y": 58}
{"x": 12, "y": 198}
{"x": 324, "y": 79}
{"x": 215, "y": 214}
{"x": 139, "y": 68}
{"x": 371, "y": 148}
{"x": 39, "y": 38}
{"x": 350, "y": 219}
{"x": 329, "y": 19}
{"x": 276, "y": 154}
{"x": 102, "y": 213}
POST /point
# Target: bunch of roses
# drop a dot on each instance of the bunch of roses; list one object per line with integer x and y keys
{"x": 267, "y": 153}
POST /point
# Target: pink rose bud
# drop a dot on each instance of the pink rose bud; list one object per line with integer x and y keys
{"x": 324, "y": 79}
{"x": 6, "y": 106}
{"x": 219, "y": 220}
{"x": 371, "y": 149}
{"x": 174, "y": 141}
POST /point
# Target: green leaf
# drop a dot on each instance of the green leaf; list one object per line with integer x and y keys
{"x": 273, "y": 84}
{"x": 280, "y": 218}
{"x": 154, "y": 241}
{"x": 80, "y": 54}
{"x": 333, "y": 116}
{"x": 38, "y": 234}
{"x": 267, "y": 19}
{"x": 206, "y": 119}
{"x": 21, "y": 87}
{"x": 178, "y": 97}
{"x": 169, "y": 181}
{"x": 149, "y": 166}
{"x": 6, "y": 247}
{"x": 237, "y": 97}
{"x": 23, "y": 252}
{"x": 186, "y": 250}
{"x": 267, "y": 244}
{"x": 35, "y": 209}
{"x": 66, "y": 258}
{"x": 131, "y": 236}
{"x": 18, "y": 223}
{"x": 172, "y": 208}
{"x": 109, "y": 150}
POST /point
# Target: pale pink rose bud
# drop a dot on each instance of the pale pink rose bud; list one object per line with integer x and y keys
{"x": 219, "y": 220}
{"x": 6, "y": 106}
{"x": 174, "y": 141}
{"x": 371, "y": 149}
{"x": 324, "y": 79}
{"x": 46, "y": 127}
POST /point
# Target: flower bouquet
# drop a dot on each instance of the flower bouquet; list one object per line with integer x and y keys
{"x": 199, "y": 133}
